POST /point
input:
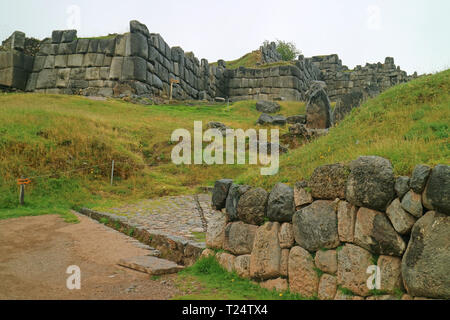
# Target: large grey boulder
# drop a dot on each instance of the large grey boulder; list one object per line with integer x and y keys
{"x": 267, "y": 106}
{"x": 266, "y": 254}
{"x": 353, "y": 262}
{"x": 279, "y": 120}
{"x": 374, "y": 232}
{"x": 137, "y": 27}
{"x": 220, "y": 193}
{"x": 280, "y": 205}
{"x": 370, "y": 183}
{"x": 234, "y": 194}
{"x": 400, "y": 219}
{"x": 437, "y": 192}
{"x": 239, "y": 238}
{"x": 401, "y": 186}
{"x": 412, "y": 203}
{"x": 329, "y": 181}
{"x": 251, "y": 207}
{"x": 318, "y": 110}
{"x": 419, "y": 177}
{"x": 303, "y": 278}
{"x": 425, "y": 264}
{"x": 316, "y": 226}
{"x": 296, "y": 119}
{"x": 265, "y": 119}
{"x": 215, "y": 234}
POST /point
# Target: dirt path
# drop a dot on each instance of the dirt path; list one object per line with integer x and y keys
{"x": 36, "y": 251}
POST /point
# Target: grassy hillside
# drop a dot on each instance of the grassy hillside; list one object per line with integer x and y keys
{"x": 65, "y": 144}
{"x": 408, "y": 124}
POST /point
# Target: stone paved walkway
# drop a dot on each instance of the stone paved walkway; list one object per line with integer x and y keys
{"x": 174, "y": 215}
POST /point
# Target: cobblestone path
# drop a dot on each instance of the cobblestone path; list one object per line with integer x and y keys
{"x": 181, "y": 216}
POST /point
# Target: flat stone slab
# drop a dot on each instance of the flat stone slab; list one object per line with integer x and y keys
{"x": 151, "y": 265}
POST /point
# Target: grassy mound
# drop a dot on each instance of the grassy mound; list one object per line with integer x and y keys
{"x": 65, "y": 144}
{"x": 407, "y": 124}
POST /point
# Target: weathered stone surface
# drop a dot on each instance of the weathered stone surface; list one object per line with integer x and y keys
{"x": 406, "y": 297}
{"x": 137, "y": 45}
{"x": 69, "y": 35}
{"x": 400, "y": 219}
{"x": 346, "y": 214}
{"x": 215, "y": 234}
{"x": 266, "y": 253}
{"x": 151, "y": 265}
{"x": 234, "y": 194}
{"x": 279, "y": 120}
{"x": 370, "y": 183}
{"x": 329, "y": 181}
{"x": 46, "y": 79}
{"x": 401, "y": 186}
{"x": 419, "y": 177}
{"x": 303, "y": 279}
{"x": 374, "y": 232}
{"x": 137, "y": 27}
{"x": 301, "y": 196}
{"x": 239, "y": 237}
{"x": 252, "y": 206}
{"x": 390, "y": 273}
{"x": 412, "y": 203}
{"x": 265, "y": 119}
{"x": 280, "y": 205}
{"x": 220, "y": 193}
{"x": 425, "y": 264}
{"x": 286, "y": 236}
{"x": 267, "y": 106}
{"x": 346, "y": 104}
{"x": 437, "y": 192}
{"x": 207, "y": 253}
{"x": 279, "y": 284}
{"x": 327, "y": 287}
{"x": 242, "y": 266}
{"x": 226, "y": 260}
{"x": 301, "y": 118}
{"x": 315, "y": 227}
{"x": 284, "y": 262}
{"x": 326, "y": 261}
{"x": 318, "y": 110}
{"x": 353, "y": 262}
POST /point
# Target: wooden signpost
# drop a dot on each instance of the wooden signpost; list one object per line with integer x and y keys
{"x": 172, "y": 81}
{"x": 22, "y": 182}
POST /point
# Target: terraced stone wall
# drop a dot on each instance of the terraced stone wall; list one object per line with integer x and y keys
{"x": 349, "y": 225}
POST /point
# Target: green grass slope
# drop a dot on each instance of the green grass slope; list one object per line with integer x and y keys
{"x": 65, "y": 144}
{"x": 407, "y": 124}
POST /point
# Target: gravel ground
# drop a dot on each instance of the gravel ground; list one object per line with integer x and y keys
{"x": 36, "y": 251}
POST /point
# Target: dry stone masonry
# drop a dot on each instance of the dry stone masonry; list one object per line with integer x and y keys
{"x": 142, "y": 63}
{"x": 322, "y": 237}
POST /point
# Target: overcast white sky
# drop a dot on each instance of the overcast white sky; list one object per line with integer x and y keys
{"x": 414, "y": 32}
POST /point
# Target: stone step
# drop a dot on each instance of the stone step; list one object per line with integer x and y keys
{"x": 151, "y": 265}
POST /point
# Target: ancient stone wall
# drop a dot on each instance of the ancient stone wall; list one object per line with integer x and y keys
{"x": 370, "y": 79}
{"x": 142, "y": 63}
{"x": 327, "y": 237}
{"x": 288, "y": 82}
{"x": 269, "y": 53}
{"x": 140, "y": 60}
{"x": 16, "y": 61}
